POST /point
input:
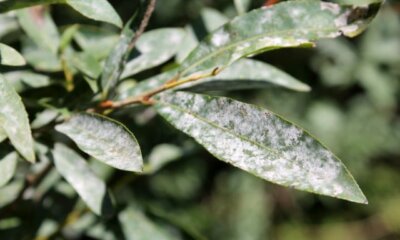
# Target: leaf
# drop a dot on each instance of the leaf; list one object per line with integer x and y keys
{"x": 99, "y": 42}
{"x": 100, "y": 10}
{"x": 105, "y": 139}
{"x": 115, "y": 62}
{"x": 154, "y": 47}
{"x": 8, "y": 165}
{"x": 143, "y": 228}
{"x": 10, "y": 192}
{"x": 25, "y": 80}
{"x": 242, "y": 6}
{"x": 247, "y": 74}
{"x": 14, "y": 120}
{"x": 8, "y": 25}
{"x": 76, "y": 171}
{"x": 161, "y": 155}
{"x": 9, "y": 56}
{"x": 41, "y": 59}
{"x": 3, "y": 135}
{"x": 40, "y": 27}
{"x": 260, "y": 142}
{"x": 288, "y": 24}
{"x": 87, "y": 64}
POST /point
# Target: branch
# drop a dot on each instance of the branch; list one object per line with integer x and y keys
{"x": 143, "y": 24}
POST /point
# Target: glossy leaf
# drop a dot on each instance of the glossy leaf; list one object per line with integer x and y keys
{"x": 40, "y": 27}
{"x": 136, "y": 226}
{"x": 14, "y": 120}
{"x": 100, "y": 10}
{"x": 260, "y": 142}
{"x": 247, "y": 74}
{"x": 9, "y": 56}
{"x": 104, "y": 139}
{"x": 8, "y": 165}
{"x": 288, "y": 24}
{"x": 76, "y": 171}
{"x": 154, "y": 47}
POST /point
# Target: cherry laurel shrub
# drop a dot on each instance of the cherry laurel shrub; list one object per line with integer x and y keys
{"x": 94, "y": 68}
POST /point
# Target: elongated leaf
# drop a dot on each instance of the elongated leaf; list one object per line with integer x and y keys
{"x": 136, "y": 226}
{"x": 154, "y": 47}
{"x": 14, "y": 120}
{"x": 258, "y": 141}
{"x": 77, "y": 172}
{"x": 115, "y": 62}
{"x": 40, "y": 27}
{"x": 247, "y": 74}
{"x": 7, "y": 168}
{"x": 9, "y": 56}
{"x": 87, "y": 64}
{"x": 24, "y": 80}
{"x": 41, "y": 59}
{"x": 10, "y": 192}
{"x": 100, "y": 10}
{"x": 104, "y": 139}
{"x": 288, "y": 24}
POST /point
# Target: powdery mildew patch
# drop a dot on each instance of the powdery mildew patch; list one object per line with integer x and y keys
{"x": 105, "y": 140}
{"x": 258, "y": 141}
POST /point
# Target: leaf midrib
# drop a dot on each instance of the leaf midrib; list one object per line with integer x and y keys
{"x": 273, "y": 151}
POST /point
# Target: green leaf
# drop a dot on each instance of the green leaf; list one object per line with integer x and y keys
{"x": 76, "y": 171}
{"x": 9, "y": 56}
{"x": 247, "y": 74}
{"x": 242, "y": 6}
{"x": 8, "y": 25}
{"x": 14, "y": 120}
{"x": 3, "y": 135}
{"x": 105, "y": 139}
{"x": 40, "y": 27}
{"x": 115, "y": 62}
{"x": 99, "y": 42}
{"x": 288, "y": 24}
{"x": 8, "y": 165}
{"x": 154, "y": 48}
{"x": 10, "y": 192}
{"x": 41, "y": 59}
{"x": 25, "y": 80}
{"x": 143, "y": 228}
{"x": 87, "y": 64}
{"x": 100, "y": 10}
{"x": 260, "y": 142}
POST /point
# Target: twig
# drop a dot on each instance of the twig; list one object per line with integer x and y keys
{"x": 145, "y": 98}
{"x": 143, "y": 24}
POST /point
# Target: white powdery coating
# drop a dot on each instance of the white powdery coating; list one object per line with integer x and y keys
{"x": 333, "y": 8}
{"x": 259, "y": 142}
{"x": 105, "y": 140}
{"x": 77, "y": 172}
{"x": 14, "y": 120}
{"x": 220, "y": 38}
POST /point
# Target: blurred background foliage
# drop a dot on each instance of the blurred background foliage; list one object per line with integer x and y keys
{"x": 353, "y": 108}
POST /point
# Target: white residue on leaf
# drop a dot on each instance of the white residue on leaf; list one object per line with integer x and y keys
{"x": 220, "y": 38}
{"x": 257, "y": 141}
{"x": 104, "y": 140}
{"x": 332, "y": 7}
